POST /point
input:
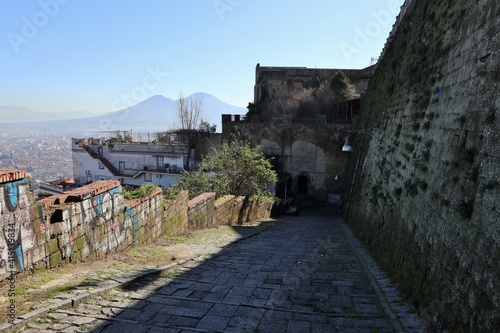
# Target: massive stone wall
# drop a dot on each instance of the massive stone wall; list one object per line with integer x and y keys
{"x": 92, "y": 221}
{"x": 426, "y": 187}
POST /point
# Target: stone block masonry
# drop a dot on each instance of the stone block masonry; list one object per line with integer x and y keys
{"x": 176, "y": 214}
{"x": 427, "y": 187}
{"x": 201, "y": 211}
{"x": 233, "y": 210}
{"x": 18, "y": 246}
{"x": 92, "y": 221}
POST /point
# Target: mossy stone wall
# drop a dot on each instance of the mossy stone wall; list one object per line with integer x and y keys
{"x": 425, "y": 188}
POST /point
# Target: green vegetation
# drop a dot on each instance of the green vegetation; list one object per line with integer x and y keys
{"x": 170, "y": 194}
{"x": 142, "y": 191}
{"x": 236, "y": 168}
{"x": 341, "y": 86}
{"x": 176, "y": 239}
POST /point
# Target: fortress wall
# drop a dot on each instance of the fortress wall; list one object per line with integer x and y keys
{"x": 427, "y": 186}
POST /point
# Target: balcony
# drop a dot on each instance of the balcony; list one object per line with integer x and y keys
{"x": 173, "y": 169}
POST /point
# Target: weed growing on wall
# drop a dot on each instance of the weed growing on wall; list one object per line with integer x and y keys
{"x": 140, "y": 192}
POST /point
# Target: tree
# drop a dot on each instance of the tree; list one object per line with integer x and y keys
{"x": 192, "y": 127}
{"x": 189, "y": 111}
{"x": 341, "y": 86}
{"x": 235, "y": 168}
{"x": 342, "y": 89}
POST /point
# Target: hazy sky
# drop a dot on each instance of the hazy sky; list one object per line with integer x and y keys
{"x": 100, "y": 56}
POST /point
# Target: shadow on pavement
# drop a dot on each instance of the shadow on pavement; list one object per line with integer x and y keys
{"x": 306, "y": 274}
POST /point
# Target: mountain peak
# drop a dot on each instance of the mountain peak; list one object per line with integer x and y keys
{"x": 157, "y": 113}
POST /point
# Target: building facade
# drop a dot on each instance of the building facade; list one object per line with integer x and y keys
{"x": 271, "y": 81}
{"x": 130, "y": 162}
{"x": 293, "y": 92}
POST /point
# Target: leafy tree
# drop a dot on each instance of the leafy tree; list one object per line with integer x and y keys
{"x": 341, "y": 86}
{"x": 236, "y": 168}
{"x": 206, "y": 128}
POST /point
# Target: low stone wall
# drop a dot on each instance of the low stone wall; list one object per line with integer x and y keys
{"x": 231, "y": 210}
{"x": 176, "y": 215}
{"x": 201, "y": 212}
{"x": 226, "y": 210}
{"x": 257, "y": 209}
{"x": 88, "y": 222}
{"x": 18, "y": 242}
{"x": 94, "y": 220}
{"x": 149, "y": 217}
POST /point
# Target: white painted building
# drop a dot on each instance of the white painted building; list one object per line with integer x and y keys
{"x": 131, "y": 163}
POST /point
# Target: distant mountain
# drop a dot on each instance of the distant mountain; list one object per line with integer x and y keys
{"x": 11, "y": 114}
{"x": 156, "y": 113}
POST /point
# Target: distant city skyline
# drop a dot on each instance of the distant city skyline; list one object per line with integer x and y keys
{"x": 99, "y": 57}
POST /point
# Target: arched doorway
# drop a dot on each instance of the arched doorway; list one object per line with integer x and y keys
{"x": 302, "y": 185}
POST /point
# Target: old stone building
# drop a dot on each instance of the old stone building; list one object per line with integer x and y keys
{"x": 306, "y": 148}
{"x": 277, "y": 85}
{"x": 281, "y": 81}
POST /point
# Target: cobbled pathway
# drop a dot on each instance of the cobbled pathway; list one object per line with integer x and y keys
{"x": 306, "y": 274}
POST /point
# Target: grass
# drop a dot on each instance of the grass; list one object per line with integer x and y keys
{"x": 176, "y": 239}
{"x": 147, "y": 252}
{"x": 31, "y": 290}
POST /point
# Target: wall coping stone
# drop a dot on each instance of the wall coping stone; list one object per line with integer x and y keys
{"x": 81, "y": 193}
{"x": 135, "y": 202}
{"x": 174, "y": 202}
{"x": 224, "y": 200}
{"x": 200, "y": 199}
{"x": 8, "y": 175}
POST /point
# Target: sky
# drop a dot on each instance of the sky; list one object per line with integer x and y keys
{"x": 103, "y": 56}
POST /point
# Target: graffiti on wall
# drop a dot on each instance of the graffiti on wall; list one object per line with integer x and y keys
{"x": 131, "y": 218}
{"x": 80, "y": 228}
{"x": 103, "y": 209}
{"x": 17, "y": 231}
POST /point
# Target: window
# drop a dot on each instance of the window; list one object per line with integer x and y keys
{"x": 147, "y": 176}
{"x": 159, "y": 163}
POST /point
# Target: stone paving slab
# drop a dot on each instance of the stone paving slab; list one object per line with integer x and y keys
{"x": 307, "y": 274}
